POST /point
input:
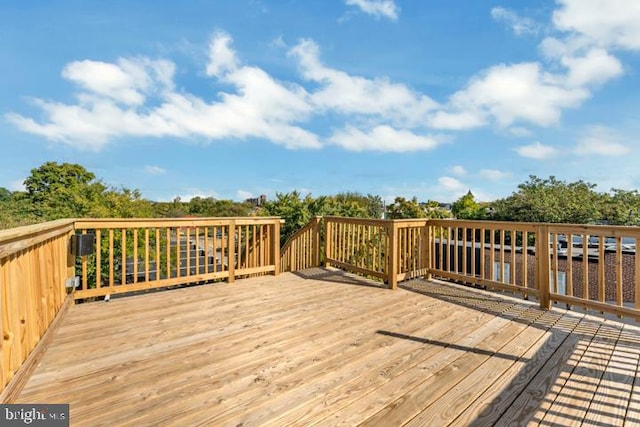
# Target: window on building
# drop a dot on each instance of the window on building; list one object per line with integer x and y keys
{"x": 497, "y": 272}
{"x": 562, "y": 282}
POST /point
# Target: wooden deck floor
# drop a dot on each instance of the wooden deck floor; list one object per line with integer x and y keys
{"x": 324, "y": 348}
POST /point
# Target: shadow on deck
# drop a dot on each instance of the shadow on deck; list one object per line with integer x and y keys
{"x": 325, "y": 347}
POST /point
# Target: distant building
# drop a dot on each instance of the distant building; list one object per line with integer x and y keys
{"x": 257, "y": 201}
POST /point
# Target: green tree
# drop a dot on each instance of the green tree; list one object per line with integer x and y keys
{"x": 403, "y": 208}
{"x": 294, "y": 209}
{"x": 17, "y": 210}
{"x": 551, "y": 200}
{"x": 434, "y": 210}
{"x": 64, "y": 191}
{"x": 353, "y": 204}
{"x": 621, "y": 207}
{"x": 5, "y": 194}
{"x": 466, "y": 207}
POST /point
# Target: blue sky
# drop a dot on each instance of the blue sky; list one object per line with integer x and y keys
{"x": 237, "y": 98}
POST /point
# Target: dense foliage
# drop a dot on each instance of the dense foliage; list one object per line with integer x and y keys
{"x": 297, "y": 210}
{"x": 70, "y": 191}
{"x": 552, "y": 200}
{"x": 67, "y": 190}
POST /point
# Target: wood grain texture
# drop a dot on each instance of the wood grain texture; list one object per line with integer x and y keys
{"x": 322, "y": 347}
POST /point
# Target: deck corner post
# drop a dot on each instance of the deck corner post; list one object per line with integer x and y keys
{"x": 71, "y": 259}
{"x": 393, "y": 255}
{"x": 232, "y": 253}
{"x": 543, "y": 266}
{"x": 275, "y": 246}
{"x": 328, "y": 237}
{"x": 316, "y": 241}
{"x": 427, "y": 238}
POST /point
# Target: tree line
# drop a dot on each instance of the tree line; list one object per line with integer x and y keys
{"x": 54, "y": 191}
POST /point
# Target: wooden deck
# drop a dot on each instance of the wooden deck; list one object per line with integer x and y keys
{"x": 322, "y": 347}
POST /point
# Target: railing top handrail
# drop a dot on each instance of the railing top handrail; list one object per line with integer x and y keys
{"x": 16, "y": 239}
{"x": 181, "y": 222}
{"x": 352, "y": 220}
{"x": 30, "y": 230}
{"x": 554, "y": 227}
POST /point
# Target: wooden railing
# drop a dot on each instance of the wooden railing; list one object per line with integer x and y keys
{"x": 38, "y": 272}
{"x": 595, "y": 267}
{"x": 601, "y": 270}
{"x": 545, "y": 261}
{"x": 34, "y": 265}
{"x": 134, "y": 254}
{"x": 302, "y": 249}
{"x": 493, "y": 254}
{"x": 358, "y": 245}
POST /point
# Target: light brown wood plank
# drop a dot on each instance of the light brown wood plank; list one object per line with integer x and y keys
{"x": 532, "y": 404}
{"x": 456, "y": 326}
{"x": 501, "y": 393}
{"x": 445, "y": 372}
{"x": 322, "y": 347}
{"x": 573, "y": 400}
{"x": 611, "y": 400}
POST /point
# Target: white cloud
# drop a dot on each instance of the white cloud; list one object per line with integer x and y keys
{"x": 349, "y": 94}
{"x": 600, "y": 141}
{"x": 519, "y": 131}
{"x": 519, "y": 92}
{"x": 458, "y": 170}
{"x": 260, "y": 107}
{"x": 536, "y": 151}
{"x": 278, "y": 42}
{"x": 126, "y": 82}
{"x": 603, "y": 22}
{"x": 596, "y": 67}
{"x": 17, "y": 185}
{"x": 243, "y": 195}
{"x": 378, "y": 8}
{"x": 190, "y": 193}
{"x": 457, "y": 121}
{"x": 222, "y": 59}
{"x": 382, "y": 138}
{"x": 137, "y": 98}
{"x": 451, "y": 184}
{"x": 494, "y": 174}
{"x": 154, "y": 170}
{"x": 518, "y": 24}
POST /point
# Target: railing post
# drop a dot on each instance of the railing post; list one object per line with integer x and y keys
{"x": 71, "y": 259}
{"x": 275, "y": 246}
{"x": 393, "y": 255}
{"x": 231, "y": 251}
{"x": 328, "y": 237}
{"x": 543, "y": 264}
{"x": 426, "y": 250}
{"x": 316, "y": 241}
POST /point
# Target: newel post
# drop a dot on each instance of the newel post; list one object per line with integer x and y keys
{"x": 426, "y": 249}
{"x": 393, "y": 254}
{"x": 275, "y": 246}
{"x": 316, "y": 241}
{"x": 543, "y": 264}
{"x": 71, "y": 259}
{"x": 232, "y": 256}
{"x": 328, "y": 238}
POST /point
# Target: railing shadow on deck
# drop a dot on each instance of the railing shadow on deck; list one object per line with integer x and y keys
{"x": 335, "y": 275}
{"x": 570, "y": 336}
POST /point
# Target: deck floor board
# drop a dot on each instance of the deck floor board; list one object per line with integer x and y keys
{"x": 327, "y": 348}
